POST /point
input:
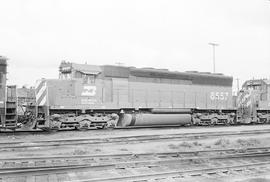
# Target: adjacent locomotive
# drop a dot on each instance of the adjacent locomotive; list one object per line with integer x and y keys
{"x": 254, "y": 102}
{"x": 8, "y": 99}
{"x": 90, "y": 96}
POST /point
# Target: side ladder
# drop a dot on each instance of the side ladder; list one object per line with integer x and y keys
{"x": 11, "y": 108}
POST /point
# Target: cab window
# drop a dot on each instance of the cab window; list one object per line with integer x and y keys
{"x": 65, "y": 76}
{"x": 88, "y": 79}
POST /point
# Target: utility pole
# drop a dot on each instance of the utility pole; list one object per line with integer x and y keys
{"x": 214, "y": 61}
{"x": 237, "y": 79}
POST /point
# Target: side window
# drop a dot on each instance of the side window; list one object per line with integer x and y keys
{"x": 65, "y": 76}
{"x": 84, "y": 76}
{"x": 91, "y": 79}
{"x": 88, "y": 79}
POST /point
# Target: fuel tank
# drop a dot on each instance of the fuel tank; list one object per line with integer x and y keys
{"x": 143, "y": 119}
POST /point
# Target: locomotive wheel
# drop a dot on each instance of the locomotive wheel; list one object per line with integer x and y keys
{"x": 83, "y": 125}
{"x": 55, "y": 125}
{"x": 81, "y": 128}
{"x": 213, "y": 121}
{"x": 228, "y": 122}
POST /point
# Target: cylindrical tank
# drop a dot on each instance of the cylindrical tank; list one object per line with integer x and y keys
{"x": 143, "y": 119}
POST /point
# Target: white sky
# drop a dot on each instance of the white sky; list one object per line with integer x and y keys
{"x": 36, "y": 35}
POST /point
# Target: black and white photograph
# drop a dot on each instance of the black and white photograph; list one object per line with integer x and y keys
{"x": 134, "y": 91}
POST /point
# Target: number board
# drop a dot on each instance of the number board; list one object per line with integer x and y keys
{"x": 219, "y": 95}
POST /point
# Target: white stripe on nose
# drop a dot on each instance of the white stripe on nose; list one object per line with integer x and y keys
{"x": 43, "y": 101}
{"x": 41, "y": 91}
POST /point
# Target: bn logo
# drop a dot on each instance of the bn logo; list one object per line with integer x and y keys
{"x": 89, "y": 90}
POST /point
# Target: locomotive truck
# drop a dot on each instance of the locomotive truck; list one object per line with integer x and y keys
{"x": 90, "y": 96}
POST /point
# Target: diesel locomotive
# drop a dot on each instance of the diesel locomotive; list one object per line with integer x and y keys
{"x": 90, "y": 96}
{"x": 8, "y": 99}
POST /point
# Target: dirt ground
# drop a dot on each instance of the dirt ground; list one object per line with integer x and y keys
{"x": 222, "y": 142}
{"x": 124, "y": 132}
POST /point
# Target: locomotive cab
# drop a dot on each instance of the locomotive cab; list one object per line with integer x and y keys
{"x": 253, "y": 101}
{"x": 72, "y": 101}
